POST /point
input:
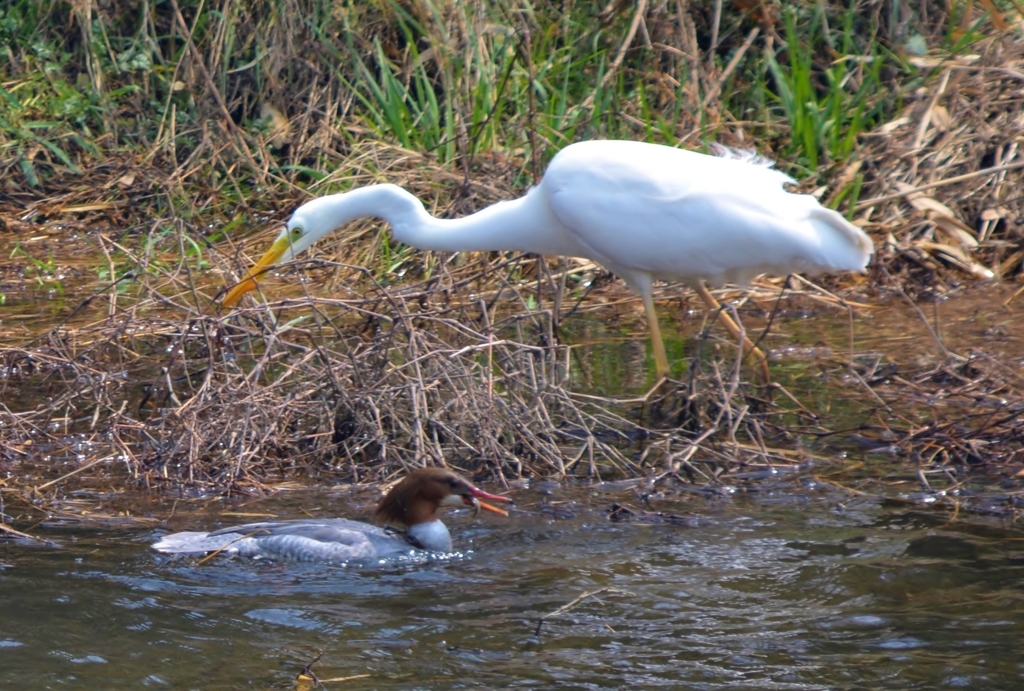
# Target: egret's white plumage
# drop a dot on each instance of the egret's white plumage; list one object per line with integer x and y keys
{"x": 643, "y": 211}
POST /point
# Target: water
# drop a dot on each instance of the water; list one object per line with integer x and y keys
{"x": 790, "y": 591}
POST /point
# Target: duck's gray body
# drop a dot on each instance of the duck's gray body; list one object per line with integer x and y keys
{"x": 329, "y": 539}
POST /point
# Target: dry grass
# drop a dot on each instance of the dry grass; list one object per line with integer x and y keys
{"x": 389, "y": 378}
{"x": 942, "y": 180}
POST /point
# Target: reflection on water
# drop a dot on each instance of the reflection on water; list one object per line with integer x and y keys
{"x": 804, "y": 336}
{"x": 786, "y": 595}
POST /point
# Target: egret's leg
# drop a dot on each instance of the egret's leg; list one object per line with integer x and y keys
{"x": 660, "y": 359}
{"x": 736, "y": 332}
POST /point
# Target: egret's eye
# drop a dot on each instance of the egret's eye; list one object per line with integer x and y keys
{"x": 296, "y": 233}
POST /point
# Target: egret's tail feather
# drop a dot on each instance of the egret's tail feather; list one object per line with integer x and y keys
{"x": 845, "y": 236}
{"x": 746, "y": 155}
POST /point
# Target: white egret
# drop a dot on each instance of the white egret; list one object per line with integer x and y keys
{"x": 645, "y": 212}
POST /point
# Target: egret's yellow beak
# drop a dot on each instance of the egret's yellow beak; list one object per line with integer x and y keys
{"x": 270, "y": 258}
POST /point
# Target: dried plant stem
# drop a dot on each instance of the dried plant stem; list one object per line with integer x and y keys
{"x": 571, "y": 605}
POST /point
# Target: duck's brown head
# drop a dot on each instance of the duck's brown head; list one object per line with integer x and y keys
{"x": 418, "y": 496}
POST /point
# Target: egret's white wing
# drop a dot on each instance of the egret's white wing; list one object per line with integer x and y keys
{"x": 666, "y": 213}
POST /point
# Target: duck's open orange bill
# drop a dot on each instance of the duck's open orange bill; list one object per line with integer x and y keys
{"x": 493, "y": 509}
{"x": 479, "y": 494}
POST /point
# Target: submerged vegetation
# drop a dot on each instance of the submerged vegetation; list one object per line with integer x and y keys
{"x": 144, "y": 145}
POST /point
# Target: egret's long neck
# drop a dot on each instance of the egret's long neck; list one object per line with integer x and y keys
{"x": 390, "y": 202}
{"x": 525, "y": 224}
{"x": 503, "y": 226}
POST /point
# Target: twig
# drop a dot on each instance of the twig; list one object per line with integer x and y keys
{"x": 715, "y": 25}
{"x": 727, "y": 72}
{"x": 946, "y": 352}
{"x": 859, "y": 206}
{"x": 25, "y": 536}
{"x": 73, "y": 473}
{"x": 565, "y": 608}
{"x": 641, "y": 8}
{"x": 220, "y": 550}
{"x": 926, "y": 118}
